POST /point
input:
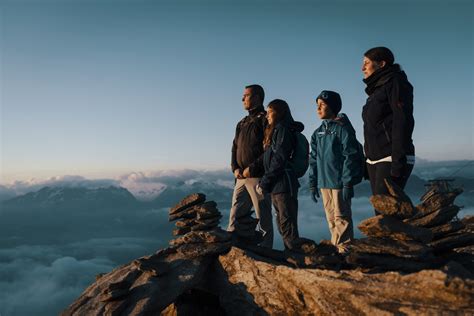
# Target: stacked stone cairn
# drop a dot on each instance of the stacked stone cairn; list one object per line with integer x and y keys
{"x": 199, "y": 239}
{"x": 409, "y": 238}
{"x": 198, "y": 227}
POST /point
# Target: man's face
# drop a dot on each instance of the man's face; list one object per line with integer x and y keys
{"x": 323, "y": 110}
{"x": 369, "y": 67}
{"x": 249, "y": 99}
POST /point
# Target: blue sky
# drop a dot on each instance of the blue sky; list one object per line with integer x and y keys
{"x": 99, "y": 88}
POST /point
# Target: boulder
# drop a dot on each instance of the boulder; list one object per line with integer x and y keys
{"x": 187, "y": 213}
{"x": 391, "y": 206}
{"x": 185, "y": 223}
{"x": 445, "y": 229}
{"x": 437, "y": 201}
{"x": 397, "y": 204}
{"x": 397, "y": 248}
{"x": 390, "y": 227}
{"x": 215, "y": 235}
{"x": 190, "y": 200}
{"x": 439, "y": 217}
{"x": 181, "y": 231}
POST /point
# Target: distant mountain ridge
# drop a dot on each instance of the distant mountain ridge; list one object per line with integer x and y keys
{"x": 58, "y": 197}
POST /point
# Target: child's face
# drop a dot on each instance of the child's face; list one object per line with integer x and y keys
{"x": 324, "y": 111}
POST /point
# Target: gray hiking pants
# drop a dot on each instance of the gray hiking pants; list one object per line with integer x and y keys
{"x": 243, "y": 199}
{"x": 286, "y": 208}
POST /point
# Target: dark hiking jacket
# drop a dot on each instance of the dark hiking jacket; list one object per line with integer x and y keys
{"x": 279, "y": 177}
{"x": 388, "y": 117}
{"x": 247, "y": 148}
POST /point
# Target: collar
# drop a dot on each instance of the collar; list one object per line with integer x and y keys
{"x": 256, "y": 110}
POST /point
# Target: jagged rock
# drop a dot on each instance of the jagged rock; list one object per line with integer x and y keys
{"x": 331, "y": 262}
{"x": 207, "y": 226}
{"x": 209, "y": 221}
{"x": 115, "y": 291}
{"x": 198, "y": 250}
{"x": 456, "y": 269}
{"x": 187, "y": 213}
{"x": 188, "y": 201}
{"x": 435, "y": 218}
{"x": 154, "y": 265}
{"x": 215, "y": 235}
{"x": 458, "y": 239}
{"x": 305, "y": 245}
{"x": 243, "y": 283}
{"x": 397, "y": 248}
{"x": 390, "y": 227}
{"x": 185, "y": 223}
{"x": 208, "y": 207}
{"x": 397, "y": 204}
{"x": 251, "y": 286}
{"x": 208, "y": 215}
{"x": 382, "y": 262}
{"x": 391, "y": 206}
{"x": 437, "y": 201}
{"x": 445, "y": 229}
{"x": 181, "y": 231}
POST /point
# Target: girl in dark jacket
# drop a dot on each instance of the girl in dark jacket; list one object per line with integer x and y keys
{"x": 279, "y": 179}
{"x": 388, "y": 120}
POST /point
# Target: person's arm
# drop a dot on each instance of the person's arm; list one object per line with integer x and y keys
{"x": 400, "y": 97}
{"x": 351, "y": 160}
{"x": 313, "y": 162}
{"x": 234, "y": 163}
{"x": 282, "y": 148}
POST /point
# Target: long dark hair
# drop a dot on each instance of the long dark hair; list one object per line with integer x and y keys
{"x": 379, "y": 54}
{"x": 281, "y": 109}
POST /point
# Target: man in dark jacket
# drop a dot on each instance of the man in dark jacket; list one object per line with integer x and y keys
{"x": 247, "y": 166}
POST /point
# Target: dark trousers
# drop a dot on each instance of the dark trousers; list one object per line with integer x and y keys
{"x": 379, "y": 171}
{"x": 286, "y": 207}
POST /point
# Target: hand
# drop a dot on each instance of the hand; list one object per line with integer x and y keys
{"x": 238, "y": 173}
{"x": 314, "y": 193}
{"x": 347, "y": 193}
{"x": 259, "y": 190}
{"x": 246, "y": 173}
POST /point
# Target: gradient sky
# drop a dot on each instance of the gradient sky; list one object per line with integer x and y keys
{"x": 97, "y": 88}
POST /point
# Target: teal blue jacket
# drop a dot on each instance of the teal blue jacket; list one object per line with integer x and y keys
{"x": 334, "y": 160}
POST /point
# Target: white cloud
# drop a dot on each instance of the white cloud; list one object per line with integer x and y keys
{"x": 44, "y": 280}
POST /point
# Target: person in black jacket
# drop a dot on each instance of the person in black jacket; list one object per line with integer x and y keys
{"x": 388, "y": 120}
{"x": 247, "y": 166}
{"x": 279, "y": 178}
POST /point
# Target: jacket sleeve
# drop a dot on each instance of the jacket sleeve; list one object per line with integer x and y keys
{"x": 313, "y": 162}
{"x": 256, "y": 167}
{"x": 281, "y": 151}
{"x": 234, "y": 164}
{"x": 400, "y": 97}
{"x": 351, "y": 163}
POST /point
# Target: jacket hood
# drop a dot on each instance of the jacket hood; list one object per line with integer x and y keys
{"x": 290, "y": 123}
{"x": 342, "y": 120}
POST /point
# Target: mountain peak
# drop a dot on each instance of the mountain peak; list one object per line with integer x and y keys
{"x": 416, "y": 263}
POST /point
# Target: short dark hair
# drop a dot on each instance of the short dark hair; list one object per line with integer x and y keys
{"x": 258, "y": 90}
{"x": 379, "y": 54}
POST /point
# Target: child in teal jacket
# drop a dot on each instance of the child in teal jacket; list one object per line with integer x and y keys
{"x": 335, "y": 165}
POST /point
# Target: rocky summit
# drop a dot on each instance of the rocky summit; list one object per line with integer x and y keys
{"x": 415, "y": 260}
